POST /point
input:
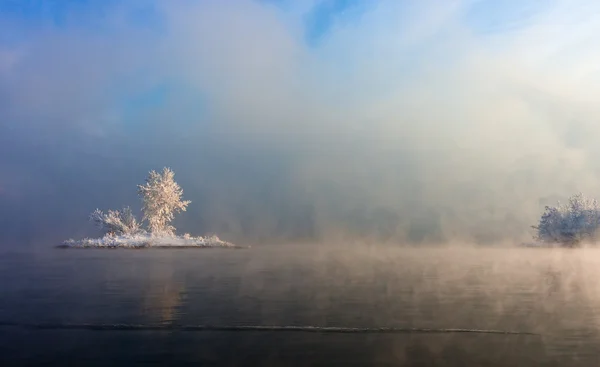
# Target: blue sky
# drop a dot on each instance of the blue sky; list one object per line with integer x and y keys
{"x": 323, "y": 16}
{"x": 318, "y": 18}
{"x": 391, "y": 102}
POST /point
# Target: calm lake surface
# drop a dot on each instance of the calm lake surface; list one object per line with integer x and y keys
{"x": 553, "y": 293}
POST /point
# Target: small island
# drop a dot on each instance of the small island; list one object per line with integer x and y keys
{"x": 162, "y": 199}
{"x": 574, "y": 224}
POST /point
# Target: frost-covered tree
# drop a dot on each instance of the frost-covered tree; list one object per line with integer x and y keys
{"x": 161, "y": 197}
{"x": 116, "y": 222}
{"x": 570, "y": 224}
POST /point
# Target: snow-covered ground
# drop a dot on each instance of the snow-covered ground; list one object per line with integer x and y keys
{"x": 147, "y": 240}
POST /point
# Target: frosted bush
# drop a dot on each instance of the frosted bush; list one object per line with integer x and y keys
{"x": 573, "y": 223}
{"x": 161, "y": 197}
{"x": 116, "y": 222}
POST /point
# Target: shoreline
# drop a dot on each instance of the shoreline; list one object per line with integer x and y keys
{"x": 146, "y": 240}
{"x": 146, "y": 247}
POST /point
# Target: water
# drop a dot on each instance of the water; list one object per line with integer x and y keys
{"x": 553, "y": 293}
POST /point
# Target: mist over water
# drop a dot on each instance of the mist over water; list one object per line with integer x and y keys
{"x": 388, "y": 121}
{"x": 552, "y": 293}
{"x": 340, "y": 138}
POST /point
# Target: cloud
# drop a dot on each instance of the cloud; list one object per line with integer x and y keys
{"x": 408, "y": 121}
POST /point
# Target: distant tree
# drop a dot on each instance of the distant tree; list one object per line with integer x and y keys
{"x": 161, "y": 197}
{"x": 570, "y": 224}
{"x": 116, "y": 222}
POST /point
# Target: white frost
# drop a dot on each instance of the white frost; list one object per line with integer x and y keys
{"x": 573, "y": 223}
{"x": 148, "y": 240}
{"x": 116, "y": 222}
{"x": 161, "y": 197}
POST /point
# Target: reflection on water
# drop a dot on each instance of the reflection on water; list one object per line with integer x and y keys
{"x": 163, "y": 293}
{"x": 555, "y": 293}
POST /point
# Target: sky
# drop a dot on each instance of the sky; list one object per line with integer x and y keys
{"x": 409, "y": 122}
